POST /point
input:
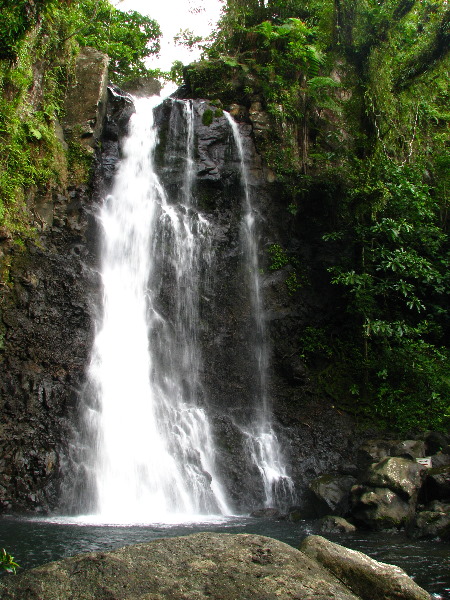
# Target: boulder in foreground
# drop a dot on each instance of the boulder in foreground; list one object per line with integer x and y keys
{"x": 366, "y": 577}
{"x": 204, "y": 566}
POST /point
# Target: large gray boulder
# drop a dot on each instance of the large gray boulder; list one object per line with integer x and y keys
{"x": 433, "y": 522}
{"x": 388, "y": 495}
{"x": 332, "y": 493}
{"x": 334, "y": 524}
{"x": 205, "y": 566}
{"x": 401, "y": 475}
{"x": 367, "y": 578}
{"x": 380, "y": 508}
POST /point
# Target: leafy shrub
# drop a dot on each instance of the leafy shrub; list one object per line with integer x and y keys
{"x": 7, "y": 562}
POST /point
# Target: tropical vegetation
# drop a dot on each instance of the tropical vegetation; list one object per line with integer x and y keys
{"x": 7, "y": 563}
{"x": 44, "y": 36}
{"x": 357, "y": 93}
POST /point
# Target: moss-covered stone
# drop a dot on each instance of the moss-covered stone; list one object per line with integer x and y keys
{"x": 207, "y": 117}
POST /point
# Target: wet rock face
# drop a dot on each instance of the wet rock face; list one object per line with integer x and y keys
{"x": 314, "y": 438}
{"x": 48, "y": 320}
{"x": 225, "y": 309}
{"x": 47, "y": 337}
{"x": 229, "y": 372}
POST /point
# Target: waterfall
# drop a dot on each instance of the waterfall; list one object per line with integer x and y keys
{"x": 154, "y": 455}
{"x": 150, "y": 450}
{"x": 262, "y": 442}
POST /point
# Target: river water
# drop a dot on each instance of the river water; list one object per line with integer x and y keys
{"x": 36, "y": 541}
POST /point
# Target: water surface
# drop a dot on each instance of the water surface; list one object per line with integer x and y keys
{"x": 34, "y": 542}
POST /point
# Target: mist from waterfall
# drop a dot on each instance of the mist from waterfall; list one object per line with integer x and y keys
{"x": 262, "y": 442}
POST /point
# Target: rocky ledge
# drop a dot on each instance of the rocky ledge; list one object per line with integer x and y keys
{"x": 399, "y": 485}
{"x": 216, "y": 566}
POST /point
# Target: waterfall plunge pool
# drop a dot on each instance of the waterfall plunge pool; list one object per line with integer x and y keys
{"x": 40, "y": 540}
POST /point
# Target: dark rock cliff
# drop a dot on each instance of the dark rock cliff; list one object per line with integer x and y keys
{"x": 47, "y": 317}
{"x": 48, "y": 332}
{"x": 313, "y": 435}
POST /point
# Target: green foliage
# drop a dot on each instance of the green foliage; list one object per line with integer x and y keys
{"x": 279, "y": 259}
{"x": 278, "y": 60}
{"x": 211, "y": 79}
{"x": 293, "y": 282}
{"x": 16, "y": 20}
{"x": 32, "y": 161}
{"x": 7, "y": 562}
{"x": 411, "y": 387}
{"x": 400, "y": 245}
{"x": 207, "y": 117}
{"x": 176, "y": 72}
{"x": 397, "y": 290}
{"x": 357, "y": 94}
{"x": 314, "y": 342}
{"x": 239, "y": 15}
{"x": 48, "y": 33}
{"x": 278, "y": 256}
{"x": 79, "y": 163}
{"x": 126, "y": 37}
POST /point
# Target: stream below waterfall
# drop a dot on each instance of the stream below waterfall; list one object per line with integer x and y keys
{"x": 36, "y": 541}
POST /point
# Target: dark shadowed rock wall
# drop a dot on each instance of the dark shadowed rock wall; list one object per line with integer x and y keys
{"x": 46, "y": 312}
{"x": 315, "y": 437}
{"x": 47, "y": 319}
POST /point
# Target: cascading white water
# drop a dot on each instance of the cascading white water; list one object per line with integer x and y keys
{"x": 262, "y": 441}
{"x": 155, "y": 455}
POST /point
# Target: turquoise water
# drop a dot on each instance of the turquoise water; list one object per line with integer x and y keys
{"x": 34, "y": 542}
